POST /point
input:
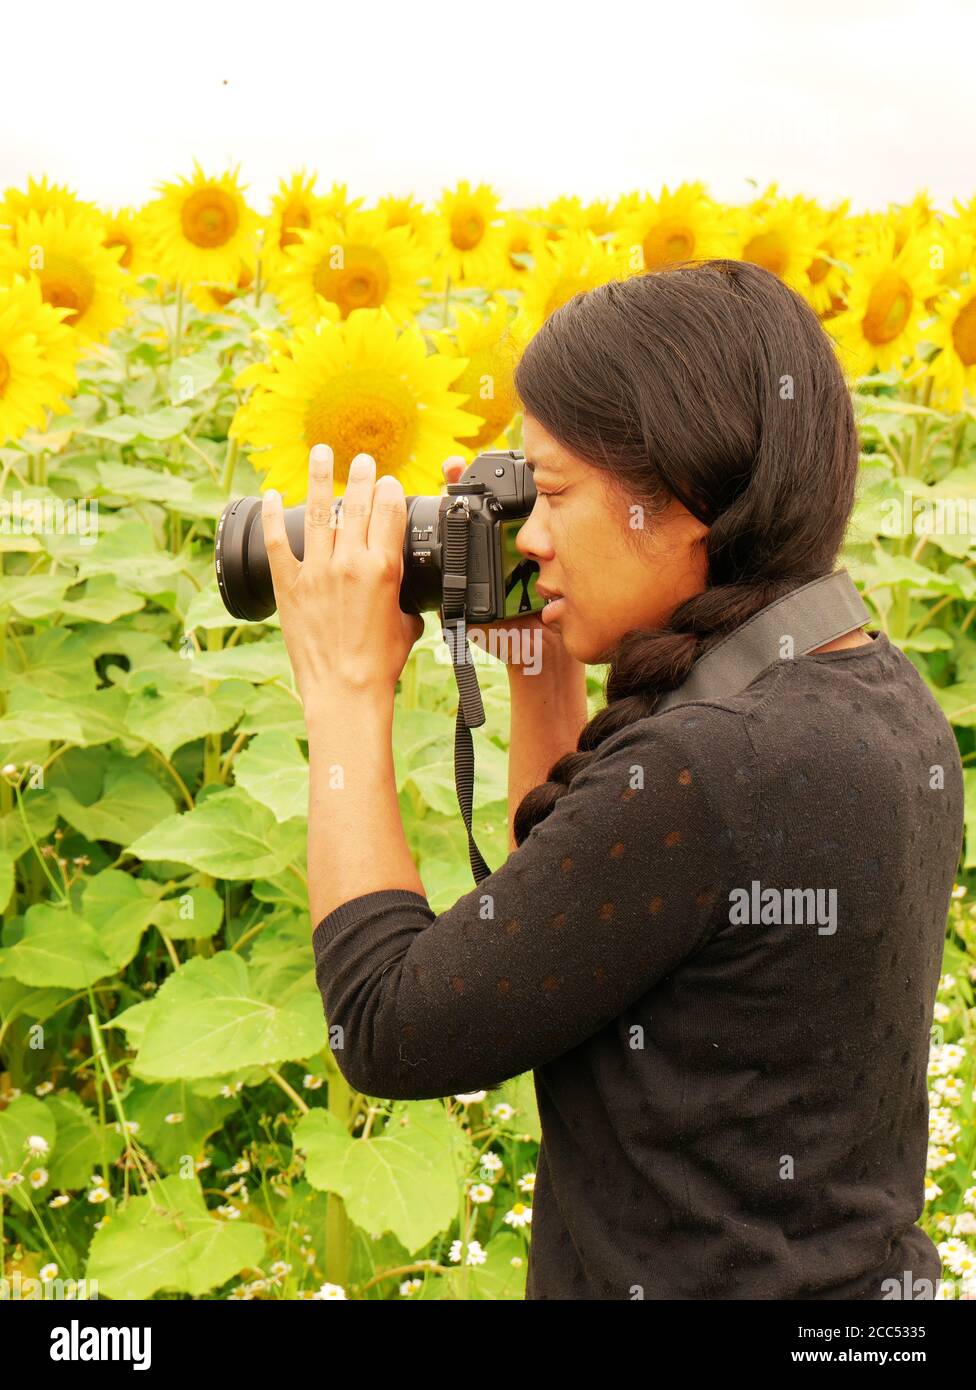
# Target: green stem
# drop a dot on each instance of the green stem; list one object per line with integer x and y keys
{"x": 176, "y": 345}
{"x": 230, "y": 460}
{"x": 447, "y": 299}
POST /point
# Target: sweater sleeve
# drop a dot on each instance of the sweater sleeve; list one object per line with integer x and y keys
{"x": 627, "y": 876}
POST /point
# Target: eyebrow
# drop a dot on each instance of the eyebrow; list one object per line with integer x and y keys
{"x": 533, "y": 464}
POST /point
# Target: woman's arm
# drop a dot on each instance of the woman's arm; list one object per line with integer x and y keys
{"x": 548, "y": 710}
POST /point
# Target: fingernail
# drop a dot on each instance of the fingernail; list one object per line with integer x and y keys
{"x": 273, "y": 494}
{"x": 360, "y": 466}
{"x": 320, "y": 453}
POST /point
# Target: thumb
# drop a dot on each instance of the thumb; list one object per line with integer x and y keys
{"x": 453, "y": 467}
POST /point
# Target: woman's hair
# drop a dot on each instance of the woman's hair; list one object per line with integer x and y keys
{"x": 715, "y": 383}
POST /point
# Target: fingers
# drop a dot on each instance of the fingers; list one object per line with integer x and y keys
{"x": 319, "y": 530}
{"x": 453, "y": 467}
{"x": 281, "y": 558}
{"x": 357, "y": 503}
{"x": 388, "y": 519}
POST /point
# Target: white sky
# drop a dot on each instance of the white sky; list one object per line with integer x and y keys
{"x": 869, "y": 99}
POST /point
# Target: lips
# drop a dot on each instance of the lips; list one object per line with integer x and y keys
{"x": 548, "y": 594}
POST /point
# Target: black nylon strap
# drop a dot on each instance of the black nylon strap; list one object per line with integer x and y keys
{"x": 471, "y": 711}
{"x": 809, "y": 616}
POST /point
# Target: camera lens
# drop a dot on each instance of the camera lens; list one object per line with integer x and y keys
{"x": 241, "y": 560}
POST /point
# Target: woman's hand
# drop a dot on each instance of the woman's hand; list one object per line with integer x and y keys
{"x": 339, "y": 607}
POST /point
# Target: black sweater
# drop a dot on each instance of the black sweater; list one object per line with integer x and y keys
{"x": 732, "y": 1082}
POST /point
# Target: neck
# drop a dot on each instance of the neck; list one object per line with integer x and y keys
{"x": 854, "y": 638}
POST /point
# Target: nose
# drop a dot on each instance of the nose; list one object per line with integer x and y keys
{"x": 532, "y": 540}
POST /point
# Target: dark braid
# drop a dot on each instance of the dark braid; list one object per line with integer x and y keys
{"x": 714, "y": 383}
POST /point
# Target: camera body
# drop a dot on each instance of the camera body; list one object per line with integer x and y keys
{"x": 496, "y": 493}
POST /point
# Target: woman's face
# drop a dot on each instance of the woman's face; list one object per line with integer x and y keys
{"x": 616, "y": 567}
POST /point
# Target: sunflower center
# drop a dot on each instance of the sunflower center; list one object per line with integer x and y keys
{"x": 363, "y": 411}
{"x": 4, "y": 373}
{"x": 117, "y": 239}
{"x": 667, "y": 242}
{"x": 209, "y": 217}
{"x": 67, "y": 285}
{"x": 768, "y": 249}
{"x": 467, "y": 228}
{"x": 362, "y": 282}
{"x": 963, "y": 334}
{"x": 295, "y": 215}
{"x": 889, "y": 307}
{"x": 817, "y": 270}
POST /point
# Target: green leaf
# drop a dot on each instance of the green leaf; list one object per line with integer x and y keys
{"x": 102, "y": 599}
{"x": 423, "y": 751}
{"x": 229, "y": 836}
{"x": 33, "y": 595}
{"x": 266, "y": 660}
{"x": 83, "y": 1145}
{"x": 131, "y": 481}
{"x": 120, "y": 908}
{"x": 210, "y": 1017}
{"x": 130, "y": 552}
{"x": 969, "y": 788}
{"x": 270, "y": 709}
{"x": 20, "y": 1120}
{"x": 207, "y": 610}
{"x": 166, "y": 423}
{"x": 174, "y": 1120}
{"x": 57, "y": 948}
{"x": 168, "y": 719}
{"x": 130, "y": 805}
{"x": 273, "y": 771}
{"x": 41, "y": 813}
{"x": 405, "y": 1181}
{"x": 55, "y": 662}
{"x": 196, "y": 913}
{"x": 169, "y": 1240}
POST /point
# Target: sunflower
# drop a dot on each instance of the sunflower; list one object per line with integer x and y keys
{"x": 364, "y": 265}
{"x": 826, "y": 283}
{"x": 521, "y": 238}
{"x": 357, "y": 386}
{"x": 468, "y": 236}
{"x": 37, "y": 356}
{"x": 578, "y": 261}
{"x": 74, "y": 270}
{"x": 490, "y": 352}
{"x": 885, "y": 303}
{"x": 953, "y": 370}
{"x": 295, "y": 208}
{"x": 202, "y": 229}
{"x": 570, "y": 214}
{"x": 407, "y": 212}
{"x": 678, "y": 226}
{"x": 779, "y": 234}
{"x": 127, "y": 228}
{"x": 44, "y": 197}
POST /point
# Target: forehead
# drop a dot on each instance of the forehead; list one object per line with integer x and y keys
{"x": 542, "y": 451}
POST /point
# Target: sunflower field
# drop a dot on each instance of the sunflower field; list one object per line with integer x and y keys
{"x": 172, "y": 1122}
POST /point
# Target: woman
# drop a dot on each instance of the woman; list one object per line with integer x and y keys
{"x": 733, "y": 1103}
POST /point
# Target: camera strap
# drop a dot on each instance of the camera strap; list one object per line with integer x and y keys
{"x": 791, "y": 626}
{"x": 471, "y": 710}
{"x": 802, "y": 620}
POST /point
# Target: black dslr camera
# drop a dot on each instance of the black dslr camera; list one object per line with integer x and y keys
{"x": 469, "y": 535}
{"x": 459, "y": 557}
